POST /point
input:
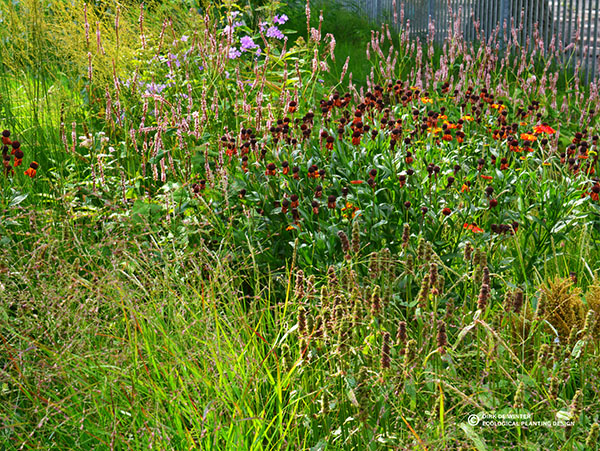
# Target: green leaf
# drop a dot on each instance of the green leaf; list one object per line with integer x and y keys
{"x": 473, "y": 436}
{"x": 18, "y": 199}
{"x": 159, "y": 156}
{"x": 576, "y": 352}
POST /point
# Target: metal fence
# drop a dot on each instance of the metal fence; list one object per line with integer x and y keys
{"x": 573, "y": 24}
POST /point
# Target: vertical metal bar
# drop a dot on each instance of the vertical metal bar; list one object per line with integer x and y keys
{"x": 548, "y": 22}
{"x": 477, "y": 16}
{"x": 544, "y": 23}
{"x": 570, "y": 24}
{"x": 553, "y": 22}
{"x": 496, "y": 17}
{"x": 523, "y": 16}
{"x": 563, "y": 21}
{"x": 371, "y": 4}
{"x": 444, "y": 24}
{"x": 528, "y": 21}
{"x": 374, "y": 10}
{"x": 517, "y": 16}
{"x": 473, "y": 13}
{"x": 441, "y": 26}
{"x": 482, "y": 19}
{"x": 536, "y": 17}
{"x": 461, "y": 4}
{"x": 596, "y": 25}
{"x": 498, "y": 14}
{"x": 416, "y": 16}
{"x": 488, "y": 13}
{"x": 471, "y": 17}
{"x": 588, "y": 24}
{"x": 559, "y": 22}
{"x": 567, "y": 38}
{"x": 501, "y": 17}
{"x": 440, "y": 8}
{"x": 530, "y": 8}
{"x": 491, "y": 24}
{"x": 577, "y": 27}
{"x": 425, "y": 20}
{"x": 463, "y": 17}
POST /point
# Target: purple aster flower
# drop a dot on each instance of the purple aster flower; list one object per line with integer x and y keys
{"x": 230, "y": 29}
{"x": 153, "y": 88}
{"x": 234, "y": 53}
{"x": 174, "y": 59}
{"x": 280, "y": 19}
{"x": 274, "y": 32}
{"x": 247, "y": 43}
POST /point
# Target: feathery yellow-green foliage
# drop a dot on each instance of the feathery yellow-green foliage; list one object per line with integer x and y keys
{"x": 40, "y": 35}
{"x": 561, "y": 304}
{"x": 592, "y": 301}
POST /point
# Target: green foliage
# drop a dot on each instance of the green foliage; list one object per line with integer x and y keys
{"x": 228, "y": 245}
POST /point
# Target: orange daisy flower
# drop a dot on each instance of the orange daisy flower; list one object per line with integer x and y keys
{"x": 544, "y": 128}
{"x": 473, "y": 227}
{"x": 528, "y": 137}
{"x": 32, "y": 169}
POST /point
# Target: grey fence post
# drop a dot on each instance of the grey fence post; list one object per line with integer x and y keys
{"x": 429, "y": 13}
{"x": 504, "y": 18}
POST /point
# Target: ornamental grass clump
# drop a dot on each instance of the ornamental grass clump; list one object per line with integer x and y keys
{"x": 560, "y": 304}
{"x": 213, "y": 181}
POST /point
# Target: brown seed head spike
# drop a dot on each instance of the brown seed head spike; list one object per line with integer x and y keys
{"x": 442, "y": 339}
{"x": 385, "y": 351}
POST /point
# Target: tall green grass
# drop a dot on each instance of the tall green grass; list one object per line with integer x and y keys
{"x": 167, "y": 321}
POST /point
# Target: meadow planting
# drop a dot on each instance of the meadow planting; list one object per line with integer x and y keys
{"x": 216, "y": 236}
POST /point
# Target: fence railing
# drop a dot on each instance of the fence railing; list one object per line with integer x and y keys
{"x": 569, "y": 25}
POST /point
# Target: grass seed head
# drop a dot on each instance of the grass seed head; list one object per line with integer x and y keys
{"x": 442, "y": 339}
{"x": 592, "y": 438}
{"x": 385, "y": 351}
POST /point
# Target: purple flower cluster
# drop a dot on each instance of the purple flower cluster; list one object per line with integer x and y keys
{"x": 230, "y": 29}
{"x": 247, "y": 44}
{"x": 280, "y": 20}
{"x": 153, "y": 88}
{"x": 234, "y": 53}
{"x": 274, "y": 32}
